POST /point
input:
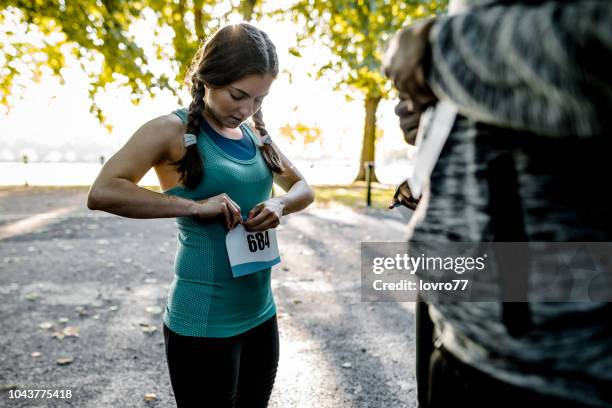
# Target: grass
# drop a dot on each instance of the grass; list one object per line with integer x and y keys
{"x": 354, "y": 195}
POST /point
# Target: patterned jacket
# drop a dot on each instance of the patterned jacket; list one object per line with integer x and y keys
{"x": 525, "y": 161}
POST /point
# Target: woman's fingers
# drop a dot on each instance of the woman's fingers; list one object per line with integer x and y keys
{"x": 255, "y": 222}
{"x": 227, "y": 213}
{"x": 234, "y": 209}
{"x": 266, "y": 223}
{"x": 264, "y": 220}
{"x": 255, "y": 210}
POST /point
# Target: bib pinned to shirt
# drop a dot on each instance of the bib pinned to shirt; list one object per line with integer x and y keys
{"x": 251, "y": 252}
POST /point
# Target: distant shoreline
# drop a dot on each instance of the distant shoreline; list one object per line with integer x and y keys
{"x": 83, "y": 174}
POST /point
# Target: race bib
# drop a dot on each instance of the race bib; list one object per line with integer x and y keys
{"x": 251, "y": 252}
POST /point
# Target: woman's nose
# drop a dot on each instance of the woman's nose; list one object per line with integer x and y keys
{"x": 247, "y": 108}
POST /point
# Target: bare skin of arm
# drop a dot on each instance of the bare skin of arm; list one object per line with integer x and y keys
{"x": 155, "y": 144}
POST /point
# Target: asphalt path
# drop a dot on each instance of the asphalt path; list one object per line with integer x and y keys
{"x": 82, "y": 293}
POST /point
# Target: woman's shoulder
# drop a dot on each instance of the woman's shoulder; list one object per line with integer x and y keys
{"x": 167, "y": 132}
{"x": 169, "y": 125}
{"x": 166, "y": 127}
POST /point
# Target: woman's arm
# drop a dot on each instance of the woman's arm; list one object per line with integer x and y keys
{"x": 298, "y": 196}
{"x": 115, "y": 190}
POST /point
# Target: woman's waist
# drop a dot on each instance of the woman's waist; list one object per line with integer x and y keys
{"x": 253, "y": 291}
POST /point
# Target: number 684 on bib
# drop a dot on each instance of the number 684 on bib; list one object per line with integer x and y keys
{"x": 251, "y": 252}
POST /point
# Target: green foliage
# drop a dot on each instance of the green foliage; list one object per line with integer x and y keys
{"x": 354, "y": 195}
{"x": 96, "y": 32}
{"x": 356, "y": 32}
{"x": 307, "y": 134}
{"x": 88, "y": 30}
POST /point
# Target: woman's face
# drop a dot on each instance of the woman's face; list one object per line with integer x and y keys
{"x": 232, "y": 104}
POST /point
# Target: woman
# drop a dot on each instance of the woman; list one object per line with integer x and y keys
{"x": 220, "y": 332}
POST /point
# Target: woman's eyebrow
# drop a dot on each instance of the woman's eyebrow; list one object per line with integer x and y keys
{"x": 243, "y": 92}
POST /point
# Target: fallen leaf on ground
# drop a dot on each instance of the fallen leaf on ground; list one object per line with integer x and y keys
{"x": 153, "y": 309}
{"x": 82, "y": 311}
{"x": 32, "y": 296}
{"x": 64, "y": 360}
{"x": 71, "y": 331}
{"x": 147, "y": 328}
{"x": 150, "y": 396}
{"x": 68, "y": 331}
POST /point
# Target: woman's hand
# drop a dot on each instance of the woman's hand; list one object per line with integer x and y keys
{"x": 265, "y": 215}
{"x": 220, "y": 205}
{"x": 404, "y": 197}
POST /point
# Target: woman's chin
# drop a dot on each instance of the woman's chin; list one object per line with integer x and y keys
{"x": 232, "y": 123}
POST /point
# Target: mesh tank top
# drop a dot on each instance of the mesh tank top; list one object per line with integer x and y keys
{"x": 204, "y": 300}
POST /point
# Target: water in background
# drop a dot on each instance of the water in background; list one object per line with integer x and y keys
{"x": 70, "y": 174}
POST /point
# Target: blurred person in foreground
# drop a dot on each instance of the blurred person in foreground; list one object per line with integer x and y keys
{"x": 525, "y": 161}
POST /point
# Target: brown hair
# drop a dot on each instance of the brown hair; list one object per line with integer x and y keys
{"x": 232, "y": 53}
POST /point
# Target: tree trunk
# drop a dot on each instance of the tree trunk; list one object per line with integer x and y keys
{"x": 369, "y": 138}
{"x": 197, "y": 14}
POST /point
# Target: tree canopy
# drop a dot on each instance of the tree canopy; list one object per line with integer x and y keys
{"x": 97, "y": 33}
{"x": 356, "y": 32}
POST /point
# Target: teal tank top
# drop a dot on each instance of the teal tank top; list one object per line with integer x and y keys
{"x": 204, "y": 300}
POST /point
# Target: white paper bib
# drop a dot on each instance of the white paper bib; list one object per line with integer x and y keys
{"x": 251, "y": 252}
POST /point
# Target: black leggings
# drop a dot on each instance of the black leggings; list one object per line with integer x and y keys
{"x": 233, "y": 372}
{"x": 455, "y": 384}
